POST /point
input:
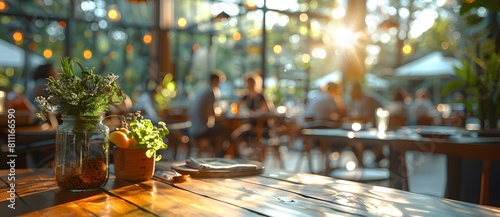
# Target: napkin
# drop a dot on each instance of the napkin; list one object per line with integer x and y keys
{"x": 208, "y": 164}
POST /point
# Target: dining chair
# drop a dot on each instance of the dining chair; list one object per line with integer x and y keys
{"x": 178, "y": 138}
{"x": 257, "y": 142}
{"x": 396, "y": 122}
{"x": 311, "y": 143}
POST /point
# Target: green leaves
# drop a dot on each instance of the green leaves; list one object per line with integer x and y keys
{"x": 79, "y": 96}
{"x": 489, "y": 4}
{"x": 149, "y": 137}
{"x": 479, "y": 78}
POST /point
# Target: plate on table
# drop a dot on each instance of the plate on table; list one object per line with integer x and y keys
{"x": 251, "y": 168}
{"x": 442, "y": 132}
{"x": 356, "y": 126}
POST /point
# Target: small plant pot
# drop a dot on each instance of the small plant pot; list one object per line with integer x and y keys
{"x": 133, "y": 165}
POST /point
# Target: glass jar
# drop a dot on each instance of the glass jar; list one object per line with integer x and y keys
{"x": 82, "y": 159}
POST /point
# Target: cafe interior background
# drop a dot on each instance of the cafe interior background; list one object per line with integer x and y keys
{"x": 293, "y": 43}
{"x": 296, "y": 45}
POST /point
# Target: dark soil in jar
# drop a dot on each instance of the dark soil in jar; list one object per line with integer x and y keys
{"x": 93, "y": 175}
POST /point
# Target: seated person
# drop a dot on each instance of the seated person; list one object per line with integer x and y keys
{"x": 205, "y": 122}
{"x": 254, "y": 102}
{"x": 362, "y": 107}
{"x": 40, "y": 76}
{"x": 326, "y": 110}
{"x": 422, "y": 110}
{"x": 398, "y": 109}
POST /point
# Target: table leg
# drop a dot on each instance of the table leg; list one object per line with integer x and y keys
{"x": 453, "y": 177}
{"x": 485, "y": 183}
{"x": 396, "y": 178}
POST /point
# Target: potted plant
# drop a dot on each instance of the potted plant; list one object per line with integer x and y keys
{"x": 137, "y": 145}
{"x": 479, "y": 78}
{"x": 81, "y": 157}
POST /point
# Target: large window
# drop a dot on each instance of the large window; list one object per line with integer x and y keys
{"x": 178, "y": 42}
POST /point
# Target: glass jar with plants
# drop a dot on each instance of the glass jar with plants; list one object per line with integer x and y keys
{"x": 82, "y": 141}
{"x": 137, "y": 144}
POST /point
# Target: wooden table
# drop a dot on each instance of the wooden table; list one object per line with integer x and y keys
{"x": 273, "y": 193}
{"x": 484, "y": 148}
{"x": 33, "y": 146}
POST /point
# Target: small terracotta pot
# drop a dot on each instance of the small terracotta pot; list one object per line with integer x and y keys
{"x": 132, "y": 164}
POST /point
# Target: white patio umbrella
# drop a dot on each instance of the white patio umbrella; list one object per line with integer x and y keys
{"x": 372, "y": 81}
{"x": 433, "y": 65}
{"x": 13, "y": 56}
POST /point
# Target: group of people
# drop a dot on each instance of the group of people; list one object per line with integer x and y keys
{"x": 331, "y": 110}
{"x": 207, "y": 126}
{"x": 361, "y": 107}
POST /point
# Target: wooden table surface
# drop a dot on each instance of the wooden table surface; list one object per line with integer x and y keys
{"x": 484, "y": 148}
{"x": 273, "y": 193}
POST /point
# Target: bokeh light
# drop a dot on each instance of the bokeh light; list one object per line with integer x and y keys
{"x": 303, "y": 17}
{"x": 277, "y": 49}
{"x": 182, "y": 22}
{"x": 113, "y": 13}
{"x": 147, "y": 38}
{"x": 407, "y": 49}
{"x": 237, "y": 36}
{"x": 338, "y": 12}
{"x": 17, "y": 36}
{"x": 250, "y": 4}
{"x": 47, "y": 53}
{"x": 62, "y": 24}
{"x": 9, "y": 72}
{"x": 351, "y": 165}
{"x": 129, "y": 48}
{"x": 87, "y": 54}
{"x": 3, "y": 6}
{"x": 32, "y": 46}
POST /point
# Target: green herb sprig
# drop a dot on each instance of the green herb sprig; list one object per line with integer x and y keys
{"x": 148, "y": 136}
{"x": 79, "y": 96}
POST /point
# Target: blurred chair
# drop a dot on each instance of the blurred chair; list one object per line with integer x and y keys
{"x": 325, "y": 148}
{"x": 178, "y": 123}
{"x": 257, "y": 142}
{"x": 178, "y": 137}
{"x": 425, "y": 120}
{"x": 396, "y": 122}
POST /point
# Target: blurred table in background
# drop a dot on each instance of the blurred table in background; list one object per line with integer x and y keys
{"x": 429, "y": 139}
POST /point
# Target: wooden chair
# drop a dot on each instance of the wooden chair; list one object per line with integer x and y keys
{"x": 425, "y": 120}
